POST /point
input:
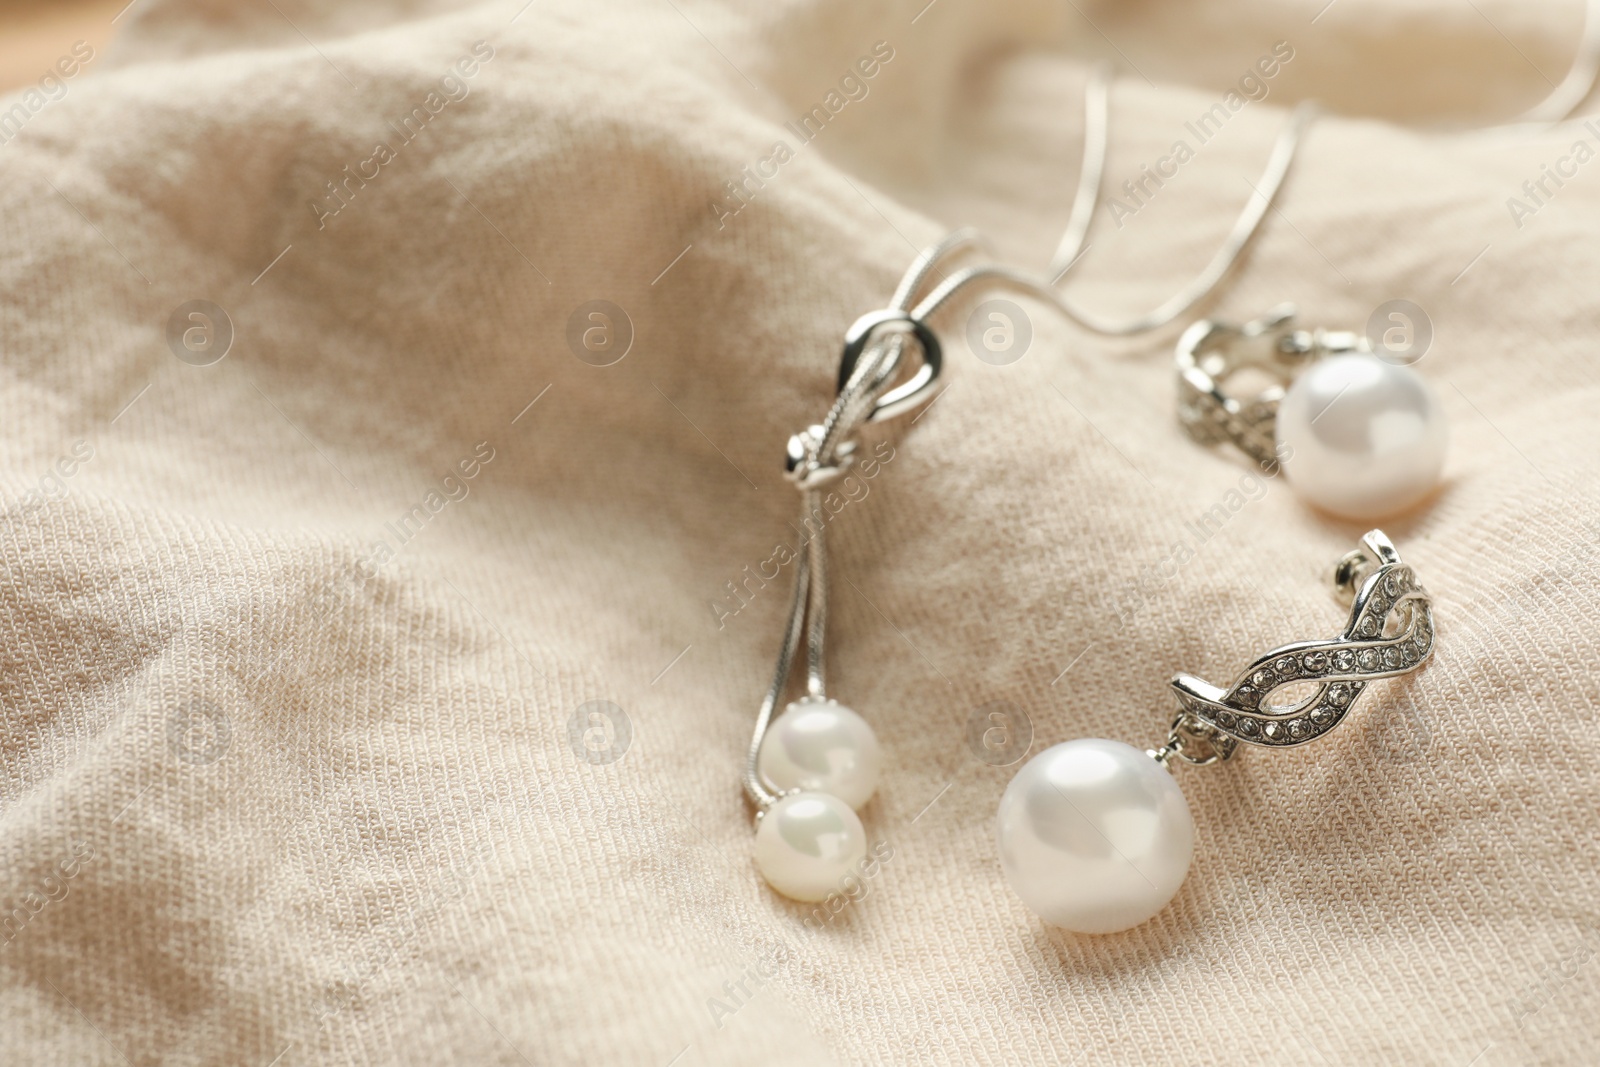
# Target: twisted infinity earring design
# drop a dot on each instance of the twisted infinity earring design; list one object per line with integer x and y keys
{"x": 1360, "y": 435}
{"x": 1095, "y": 836}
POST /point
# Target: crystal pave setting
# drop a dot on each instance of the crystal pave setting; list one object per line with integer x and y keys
{"x": 1210, "y": 352}
{"x": 1359, "y": 432}
{"x": 1389, "y": 633}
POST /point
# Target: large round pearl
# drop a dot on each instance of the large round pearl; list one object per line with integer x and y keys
{"x": 807, "y": 843}
{"x": 1361, "y": 438}
{"x": 1095, "y": 836}
{"x": 821, "y": 746}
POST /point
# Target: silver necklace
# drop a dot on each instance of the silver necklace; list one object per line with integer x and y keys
{"x": 808, "y": 772}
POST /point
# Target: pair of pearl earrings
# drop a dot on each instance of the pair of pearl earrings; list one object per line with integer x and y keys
{"x": 1094, "y": 835}
{"x": 1358, "y": 432}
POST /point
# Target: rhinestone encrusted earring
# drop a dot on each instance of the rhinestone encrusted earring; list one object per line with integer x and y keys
{"x": 1095, "y": 836}
{"x": 1360, "y": 434}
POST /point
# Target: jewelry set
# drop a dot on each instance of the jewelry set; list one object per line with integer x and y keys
{"x": 1095, "y": 835}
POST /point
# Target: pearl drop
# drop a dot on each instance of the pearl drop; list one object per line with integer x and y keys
{"x": 821, "y": 746}
{"x": 1367, "y": 437}
{"x": 1095, "y": 836}
{"x": 807, "y": 843}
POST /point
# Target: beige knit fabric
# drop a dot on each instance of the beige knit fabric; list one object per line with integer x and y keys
{"x": 301, "y": 648}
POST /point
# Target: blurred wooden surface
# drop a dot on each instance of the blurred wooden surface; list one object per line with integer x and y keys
{"x": 34, "y": 35}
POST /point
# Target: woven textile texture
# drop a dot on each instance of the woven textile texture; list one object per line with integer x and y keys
{"x": 378, "y": 692}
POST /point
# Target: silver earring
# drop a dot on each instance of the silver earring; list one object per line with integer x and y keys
{"x": 1095, "y": 836}
{"x": 1359, "y": 434}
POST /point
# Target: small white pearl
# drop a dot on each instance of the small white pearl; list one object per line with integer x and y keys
{"x": 807, "y": 843}
{"x": 821, "y": 746}
{"x": 1095, "y": 836}
{"x": 1367, "y": 437}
